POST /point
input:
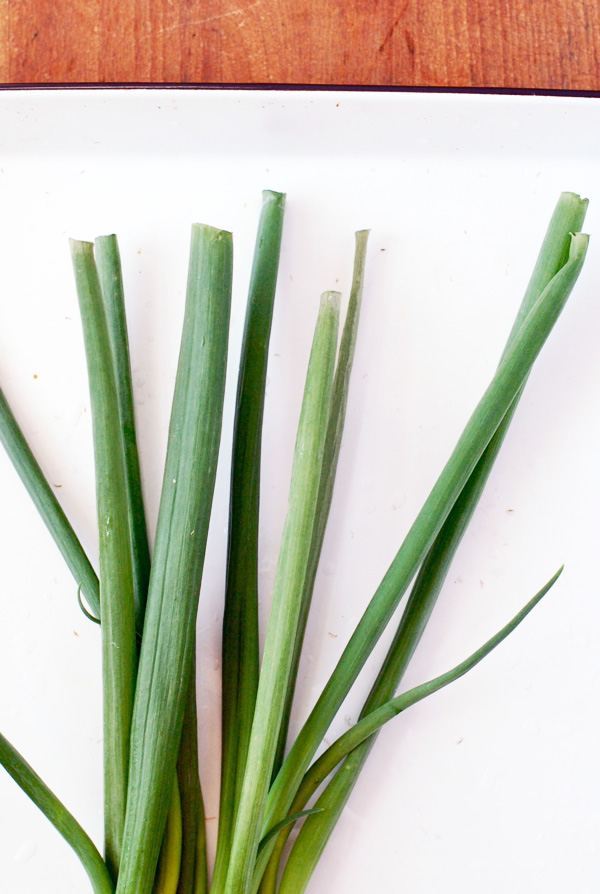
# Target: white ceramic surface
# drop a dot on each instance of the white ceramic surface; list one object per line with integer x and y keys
{"x": 492, "y": 785}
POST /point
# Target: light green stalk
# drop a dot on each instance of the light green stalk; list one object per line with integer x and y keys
{"x": 287, "y": 596}
{"x": 169, "y": 632}
{"x": 333, "y": 442}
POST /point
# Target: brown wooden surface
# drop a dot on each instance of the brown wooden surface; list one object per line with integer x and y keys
{"x": 457, "y": 43}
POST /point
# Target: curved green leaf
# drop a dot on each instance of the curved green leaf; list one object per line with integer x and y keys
{"x": 310, "y": 843}
{"x": 33, "y": 786}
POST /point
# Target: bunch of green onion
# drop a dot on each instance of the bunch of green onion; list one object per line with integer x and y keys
{"x": 146, "y": 605}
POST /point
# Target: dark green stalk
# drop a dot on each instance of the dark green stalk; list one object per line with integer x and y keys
{"x": 333, "y": 441}
{"x": 119, "y": 652}
{"x": 58, "y": 815}
{"x": 302, "y": 862}
{"x": 109, "y": 269}
{"x": 47, "y": 505}
{"x": 240, "y": 621}
{"x": 287, "y": 596}
{"x": 496, "y": 401}
{"x": 567, "y": 218}
{"x": 166, "y": 657}
{"x": 193, "y": 876}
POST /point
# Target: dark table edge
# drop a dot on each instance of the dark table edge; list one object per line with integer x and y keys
{"x": 350, "y": 88}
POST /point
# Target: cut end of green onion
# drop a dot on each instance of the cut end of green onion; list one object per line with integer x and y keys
{"x": 271, "y": 195}
{"x": 213, "y": 234}
{"x": 331, "y": 300}
{"x": 80, "y": 246}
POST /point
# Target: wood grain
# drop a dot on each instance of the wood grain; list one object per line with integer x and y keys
{"x": 452, "y": 43}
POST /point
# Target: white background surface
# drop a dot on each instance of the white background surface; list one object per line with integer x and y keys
{"x": 493, "y": 784}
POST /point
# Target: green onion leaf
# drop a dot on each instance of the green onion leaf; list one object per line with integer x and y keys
{"x": 311, "y": 841}
{"x": 288, "y": 821}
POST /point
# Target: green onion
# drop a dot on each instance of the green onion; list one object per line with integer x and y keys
{"x": 47, "y": 505}
{"x": 119, "y": 652}
{"x": 333, "y": 442}
{"x": 240, "y": 619}
{"x": 166, "y": 656}
{"x": 109, "y": 269}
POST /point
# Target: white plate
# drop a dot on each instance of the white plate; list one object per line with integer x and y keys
{"x": 492, "y": 785}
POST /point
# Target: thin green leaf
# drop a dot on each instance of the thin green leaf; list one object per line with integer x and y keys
{"x": 240, "y": 620}
{"x": 88, "y": 614}
{"x": 568, "y": 217}
{"x": 311, "y": 841}
{"x": 166, "y": 657}
{"x": 489, "y": 413}
{"x": 111, "y": 281}
{"x": 288, "y": 821}
{"x": 59, "y": 816}
{"x": 49, "y": 508}
{"x": 287, "y": 596}
{"x": 333, "y": 441}
{"x": 119, "y": 650}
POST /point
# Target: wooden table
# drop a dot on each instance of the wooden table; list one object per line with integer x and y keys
{"x": 510, "y": 44}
